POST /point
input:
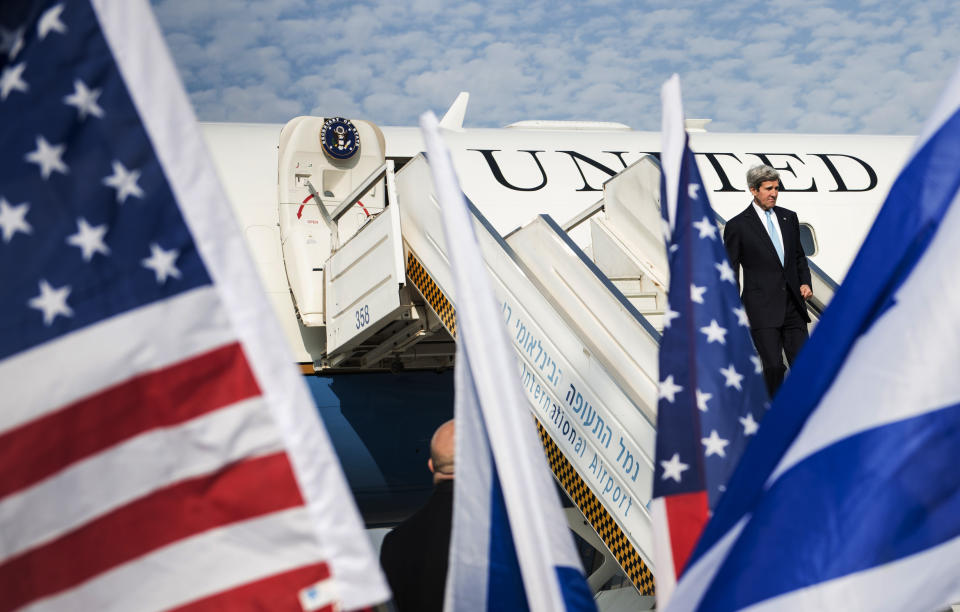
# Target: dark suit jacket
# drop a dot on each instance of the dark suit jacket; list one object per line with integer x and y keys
{"x": 766, "y": 284}
{"x": 414, "y": 555}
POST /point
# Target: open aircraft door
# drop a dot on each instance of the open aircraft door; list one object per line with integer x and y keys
{"x": 342, "y": 249}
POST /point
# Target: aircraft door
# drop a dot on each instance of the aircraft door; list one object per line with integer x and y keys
{"x": 322, "y": 163}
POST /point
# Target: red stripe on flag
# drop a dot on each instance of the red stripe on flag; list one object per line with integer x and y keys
{"x": 243, "y": 490}
{"x": 166, "y": 397}
{"x": 278, "y": 592}
{"x": 686, "y": 517}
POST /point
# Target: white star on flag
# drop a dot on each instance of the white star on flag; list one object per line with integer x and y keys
{"x": 714, "y": 332}
{"x": 13, "y": 219}
{"x": 715, "y": 445}
{"x": 696, "y": 293}
{"x": 757, "y": 364}
{"x": 668, "y": 316}
{"x": 726, "y": 272}
{"x": 702, "y": 399}
{"x": 673, "y": 468}
{"x": 706, "y": 228}
{"x": 12, "y": 80}
{"x": 733, "y": 378}
{"x": 692, "y": 190}
{"x": 89, "y": 238}
{"x": 50, "y": 22}
{"x": 668, "y": 389}
{"x": 48, "y": 157}
{"x": 161, "y": 262}
{"x": 750, "y": 426}
{"x": 85, "y": 100}
{"x": 52, "y": 302}
{"x": 124, "y": 181}
{"x": 11, "y": 41}
{"x": 742, "y": 320}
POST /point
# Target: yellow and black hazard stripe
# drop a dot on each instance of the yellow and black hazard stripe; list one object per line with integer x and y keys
{"x": 431, "y": 293}
{"x": 598, "y": 517}
{"x": 578, "y": 491}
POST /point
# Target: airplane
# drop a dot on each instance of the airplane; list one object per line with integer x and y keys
{"x": 380, "y": 414}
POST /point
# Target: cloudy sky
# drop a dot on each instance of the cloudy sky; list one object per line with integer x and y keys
{"x": 855, "y": 66}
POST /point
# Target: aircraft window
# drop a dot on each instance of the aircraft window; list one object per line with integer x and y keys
{"x": 808, "y": 240}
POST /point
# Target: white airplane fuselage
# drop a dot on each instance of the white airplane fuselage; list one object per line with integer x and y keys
{"x": 835, "y": 183}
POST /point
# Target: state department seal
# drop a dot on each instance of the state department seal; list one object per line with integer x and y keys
{"x": 339, "y": 138}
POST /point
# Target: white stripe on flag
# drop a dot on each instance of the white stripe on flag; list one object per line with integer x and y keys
{"x": 673, "y": 141}
{"x": 155, "y": 88}
{"x": 665, "y": 576}
{"x": 196, "y": 567}
{"x": 110, "y": 352}
{"x": 135, "y": 468}
{"x": 946, "y": 106}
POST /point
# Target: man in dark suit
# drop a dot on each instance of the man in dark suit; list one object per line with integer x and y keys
{"x": 414, "y": 555}
{"x": 764, "y": 240}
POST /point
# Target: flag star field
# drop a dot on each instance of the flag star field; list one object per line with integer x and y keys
{"x": 85, "y": 232}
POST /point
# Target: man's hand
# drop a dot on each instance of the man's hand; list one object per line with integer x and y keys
{"x": 805, "y": 292}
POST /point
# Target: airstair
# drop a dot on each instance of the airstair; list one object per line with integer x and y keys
{"x": 587, "y": 360}
{"x": 366, "y": 261}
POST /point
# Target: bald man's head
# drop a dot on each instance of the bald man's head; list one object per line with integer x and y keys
{"x": 441, "y": 452}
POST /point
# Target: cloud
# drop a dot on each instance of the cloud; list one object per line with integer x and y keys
{"x": 796, "y": 65}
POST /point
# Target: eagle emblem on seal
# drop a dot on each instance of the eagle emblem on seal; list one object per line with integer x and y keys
{"x": 339, "y": 138}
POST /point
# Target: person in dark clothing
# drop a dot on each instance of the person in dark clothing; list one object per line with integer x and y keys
{"x": 414, "y": 554}
{"x": 764, "y": 240}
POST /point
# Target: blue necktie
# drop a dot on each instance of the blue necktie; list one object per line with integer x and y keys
{"x": 774, "y": 236}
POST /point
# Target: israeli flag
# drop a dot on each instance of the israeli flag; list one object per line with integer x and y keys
{"x": 849, "y": 497}
{"x": 511, "y": 548}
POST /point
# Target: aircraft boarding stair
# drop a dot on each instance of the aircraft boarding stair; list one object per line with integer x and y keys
{"x": 587, "y": 360}
{"x": 626, "y": 237}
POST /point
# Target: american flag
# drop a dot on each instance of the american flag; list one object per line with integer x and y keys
{"x": 711, "y": 395}
{"x": 158, "y": 450}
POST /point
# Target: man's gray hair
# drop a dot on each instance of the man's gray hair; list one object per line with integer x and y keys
{"x": 757, "y": 175}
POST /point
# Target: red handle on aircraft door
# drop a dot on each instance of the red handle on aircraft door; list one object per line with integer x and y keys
{"x": 307, "y": 199}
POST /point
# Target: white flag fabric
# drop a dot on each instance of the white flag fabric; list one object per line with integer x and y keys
{"x": 849, "y": 497}
{"x": 159, "y": 448}
{"x": 511, "y": 548}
